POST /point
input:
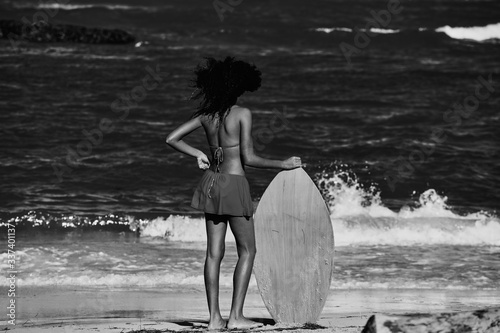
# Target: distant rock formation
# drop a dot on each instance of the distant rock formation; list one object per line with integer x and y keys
{"x": 480, "y": 321}
{"x": 45, "y": 32}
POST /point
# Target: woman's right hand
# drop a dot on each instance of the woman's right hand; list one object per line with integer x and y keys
{"x": 292, "y": 163}
{"x": 203, "y": 161}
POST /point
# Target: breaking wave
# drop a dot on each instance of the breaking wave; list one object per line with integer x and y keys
{"x": 478, "y": 34}
{"x": 491, "y": 31}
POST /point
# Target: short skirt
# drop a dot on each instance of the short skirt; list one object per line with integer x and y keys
{"x": 223, "y": 194}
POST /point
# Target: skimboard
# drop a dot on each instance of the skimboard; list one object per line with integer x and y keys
{"x": 294, "y": 240}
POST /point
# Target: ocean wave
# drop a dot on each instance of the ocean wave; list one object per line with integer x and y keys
{"x": 477, "y": 33}
{"x": 329, "y": 30}
{"x": 402, "y": 284}
{"x": 358, "y": 217}
{"x": 359, "y": 230}
{"x": 490, "y": 31}
{"x": 74, "y": 53}
{"x": 149, "y": 279}
{"x": 344, "y": 29}
{"x": 180, "y": 281}
{"x": 104, "y": 266}
{"x": 407, "y": 232}
{"x": 57, "y": 6}
{"x": 384, "y": 31}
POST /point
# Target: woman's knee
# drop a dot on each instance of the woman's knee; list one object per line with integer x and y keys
{"x": 216, "y": 253}
{"x": 247, "y": 250}
{"x": 252, "y": 252}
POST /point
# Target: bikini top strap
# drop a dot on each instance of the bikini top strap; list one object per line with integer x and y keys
{"x": 225, "y": 147}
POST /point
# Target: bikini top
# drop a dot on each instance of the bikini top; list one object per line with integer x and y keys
{"x": 219, "y": 154}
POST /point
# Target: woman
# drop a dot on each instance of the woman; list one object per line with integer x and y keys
{"x": 223, "y": 192}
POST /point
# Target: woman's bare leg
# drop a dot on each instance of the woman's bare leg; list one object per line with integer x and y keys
{"x": 244, "y": 234}
{"x": 216, "y": 234}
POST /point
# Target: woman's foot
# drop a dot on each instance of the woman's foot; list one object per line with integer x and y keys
{"x": 217, "y": 324}
{"x": 242, "y": 323}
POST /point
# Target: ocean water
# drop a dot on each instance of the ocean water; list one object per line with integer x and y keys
{"x": 399, "y": 130}
{"x": 426, "y": 248}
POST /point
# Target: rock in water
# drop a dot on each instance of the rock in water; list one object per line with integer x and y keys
{"x": 42, "y": 31}
{"x": 480, "y": 321}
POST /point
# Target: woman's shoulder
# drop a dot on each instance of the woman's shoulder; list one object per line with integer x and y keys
{"x": 237, "y": 112}
{"x": 242, "y": 111}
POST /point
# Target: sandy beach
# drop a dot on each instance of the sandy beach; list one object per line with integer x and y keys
{"x": 56, "y": 310}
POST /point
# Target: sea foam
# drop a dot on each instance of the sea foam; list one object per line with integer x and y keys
{"x": 359, "y": 217}
{"x": 490, "y": 31}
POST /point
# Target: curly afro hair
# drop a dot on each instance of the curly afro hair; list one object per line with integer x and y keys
{"x": 220, "y": 83}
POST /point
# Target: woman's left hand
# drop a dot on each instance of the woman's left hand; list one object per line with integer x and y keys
{"x": 203, "y": 162}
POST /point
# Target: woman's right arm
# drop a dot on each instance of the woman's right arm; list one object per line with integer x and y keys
{"x": 247, "y": 151}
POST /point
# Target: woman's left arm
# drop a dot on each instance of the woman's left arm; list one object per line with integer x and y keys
{"x": 174, "y": 140}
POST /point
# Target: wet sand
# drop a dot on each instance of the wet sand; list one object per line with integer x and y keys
{"x": 53, "y": 309}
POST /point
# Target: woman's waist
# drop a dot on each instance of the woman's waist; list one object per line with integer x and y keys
{"x": 230, "y": 172}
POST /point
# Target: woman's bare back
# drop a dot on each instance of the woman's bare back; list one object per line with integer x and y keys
{"x": 225, "y": 135}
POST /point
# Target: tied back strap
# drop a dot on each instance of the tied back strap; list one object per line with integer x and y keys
{"x": 218, "y": 157}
